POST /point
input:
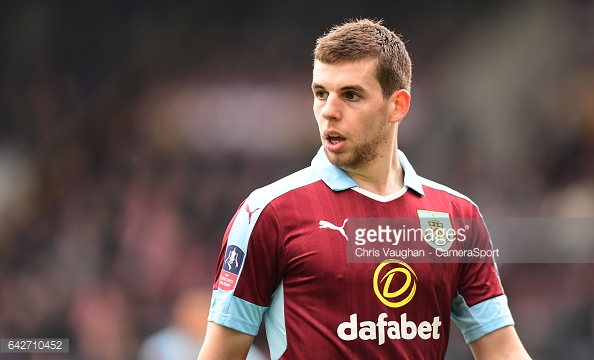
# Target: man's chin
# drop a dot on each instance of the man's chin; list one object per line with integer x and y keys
{"x": 340, "y": 160}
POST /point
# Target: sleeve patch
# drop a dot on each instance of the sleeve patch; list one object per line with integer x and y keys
{"x": 231, "y": 266}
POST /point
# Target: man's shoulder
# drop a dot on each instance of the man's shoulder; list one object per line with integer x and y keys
{"x": 444, "y": 190}
{"x": 256, "y": 205}
{"x": 264, "y": 195}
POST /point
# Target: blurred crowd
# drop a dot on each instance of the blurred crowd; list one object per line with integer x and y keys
{"x": 130, "y": 133}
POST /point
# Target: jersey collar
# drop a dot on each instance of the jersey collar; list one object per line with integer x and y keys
{"x": 338, "y": 180}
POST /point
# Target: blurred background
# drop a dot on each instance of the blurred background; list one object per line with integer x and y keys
{"x": 130, "y": 131}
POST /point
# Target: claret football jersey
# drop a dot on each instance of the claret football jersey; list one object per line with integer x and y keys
{"x": 284, "y": 260}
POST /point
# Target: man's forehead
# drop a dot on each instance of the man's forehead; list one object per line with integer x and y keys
{"x": 363, "y": 72}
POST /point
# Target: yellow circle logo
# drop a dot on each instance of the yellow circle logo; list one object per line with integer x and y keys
{"x": 390, "y": 298}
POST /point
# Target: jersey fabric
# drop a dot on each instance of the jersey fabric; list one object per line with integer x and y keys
{"x": 284, "y": 259}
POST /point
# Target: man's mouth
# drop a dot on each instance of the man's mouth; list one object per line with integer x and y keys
{"x": 334, "y": 138}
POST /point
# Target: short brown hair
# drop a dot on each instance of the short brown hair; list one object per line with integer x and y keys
{"x": 367, "y": 39}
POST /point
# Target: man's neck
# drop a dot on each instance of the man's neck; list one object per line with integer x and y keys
{"x": 383, "y": 176}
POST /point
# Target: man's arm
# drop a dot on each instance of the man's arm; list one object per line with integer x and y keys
{"x": 223, "y": 343}
{"x": 501, "y": 344}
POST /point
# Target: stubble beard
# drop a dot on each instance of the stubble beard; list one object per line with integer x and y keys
{"x": 362, "y": 154}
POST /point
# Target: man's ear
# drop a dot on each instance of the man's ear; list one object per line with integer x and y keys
{"x": 401, "y": 101}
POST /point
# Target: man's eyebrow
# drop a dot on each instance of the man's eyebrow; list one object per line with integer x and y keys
{"x": 342, "y": 89}
{"x": 352, "y": 88}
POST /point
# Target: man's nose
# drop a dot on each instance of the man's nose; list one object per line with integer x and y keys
{"x": 332, "y": 108}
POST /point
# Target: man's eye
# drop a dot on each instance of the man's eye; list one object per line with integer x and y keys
{"x": 352, "y": 96}
{"x": 322, "y": 95}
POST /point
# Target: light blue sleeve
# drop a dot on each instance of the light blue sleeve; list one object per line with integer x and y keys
{"x": 481, "y": 319}
{"x": 235, "y": 313}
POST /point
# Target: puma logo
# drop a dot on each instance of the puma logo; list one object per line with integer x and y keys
{"x": 328, "y": 225}
{"x": 250, "y": 213}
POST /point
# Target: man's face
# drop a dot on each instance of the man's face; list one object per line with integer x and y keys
{"x": 352, "y": 115}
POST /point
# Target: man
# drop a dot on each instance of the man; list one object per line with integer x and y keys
{"x": 290, "y": 244}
